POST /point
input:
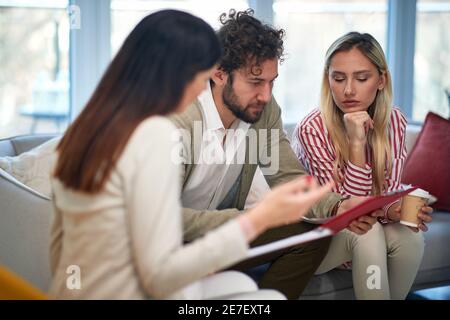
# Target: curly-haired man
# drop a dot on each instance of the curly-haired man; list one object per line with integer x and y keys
{"x": 239, "y": 99}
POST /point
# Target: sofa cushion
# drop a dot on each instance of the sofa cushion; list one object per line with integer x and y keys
{"x": 27, "y": 142}
{"x": 412, "y": 133}
{"x": 6, "y": 148}
{"x": 33, "y": 168}
{"x": 25, "y": 232}
{"x": 437, "y": 238}
{"x": 428, "y": 165}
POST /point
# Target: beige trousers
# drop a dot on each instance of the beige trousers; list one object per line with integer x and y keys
{"x": 385, "y": 260}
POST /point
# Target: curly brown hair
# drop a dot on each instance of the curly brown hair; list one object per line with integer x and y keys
{"x": 247, "y": 42}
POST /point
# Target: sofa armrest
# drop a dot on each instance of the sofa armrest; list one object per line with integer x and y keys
{"x": 9, "y": 178}
{"x": 25, "y": 219}
{"x": 27, "y": 142}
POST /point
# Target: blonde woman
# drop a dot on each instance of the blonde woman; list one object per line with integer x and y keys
{"x": 358, "y": 140}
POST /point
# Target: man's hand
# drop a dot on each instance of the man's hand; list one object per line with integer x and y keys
{"x": 349, "y": 203}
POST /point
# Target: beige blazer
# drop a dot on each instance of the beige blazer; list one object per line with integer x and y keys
{"x": 198, "y": 222}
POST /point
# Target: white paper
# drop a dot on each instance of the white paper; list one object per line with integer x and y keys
{"x": 284, "y": 243}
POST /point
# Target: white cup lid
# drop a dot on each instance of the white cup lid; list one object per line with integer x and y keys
{"x": 420, "y": 193}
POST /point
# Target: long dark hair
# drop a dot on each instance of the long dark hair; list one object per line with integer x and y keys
{"x": 147, "y": 77}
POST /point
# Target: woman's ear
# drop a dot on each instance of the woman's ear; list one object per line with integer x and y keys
{"x": 219, "y": 77}
{"x": 382, "y": 81}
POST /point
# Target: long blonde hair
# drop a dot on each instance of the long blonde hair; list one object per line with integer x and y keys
{"x": 379, "y": 110}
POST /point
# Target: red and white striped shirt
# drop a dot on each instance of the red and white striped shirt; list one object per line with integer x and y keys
{"x": 314, "y": 148}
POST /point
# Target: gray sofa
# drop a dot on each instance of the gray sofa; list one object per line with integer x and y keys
{"x": 25, "y": 221}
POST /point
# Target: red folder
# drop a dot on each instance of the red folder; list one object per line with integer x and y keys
{"x": 333, "y": 225}
{"x": 342, "y": 221}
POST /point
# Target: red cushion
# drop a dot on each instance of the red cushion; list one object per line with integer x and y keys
{"x": 428, "y": 164}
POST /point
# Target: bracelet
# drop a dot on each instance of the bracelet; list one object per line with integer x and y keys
{"x": 386, "y": 213}
{"x": 338, "y": 204}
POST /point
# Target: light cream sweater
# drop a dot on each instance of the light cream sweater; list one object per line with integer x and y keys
{"x": 127, "y": 240}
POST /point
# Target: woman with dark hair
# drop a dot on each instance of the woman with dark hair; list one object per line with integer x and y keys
{"x": 118, "y": 223}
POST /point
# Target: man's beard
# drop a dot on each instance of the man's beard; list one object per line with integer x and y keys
{"x": 231, "y": 102}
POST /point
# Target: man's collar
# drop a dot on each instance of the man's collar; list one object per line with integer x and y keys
{"x": 208, "y": 107}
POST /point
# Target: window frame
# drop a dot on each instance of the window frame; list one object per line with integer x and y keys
{"x": 96, "y": 16}
{"x": 401, "y": 34}
{"x": 90, "y": 50}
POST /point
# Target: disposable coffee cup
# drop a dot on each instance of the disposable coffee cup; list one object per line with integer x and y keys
{"x": 412, "y": 204}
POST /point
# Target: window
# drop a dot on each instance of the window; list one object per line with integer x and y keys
{"x": 34, "y": 51}
{"x": 127, "y": 13}
{"x": 311, "y": 27}
{"x": 432, "y": 59}
{"x": 34, "y": 55}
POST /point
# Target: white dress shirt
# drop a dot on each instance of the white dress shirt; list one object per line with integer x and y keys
{"x": 222, "y": 154}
